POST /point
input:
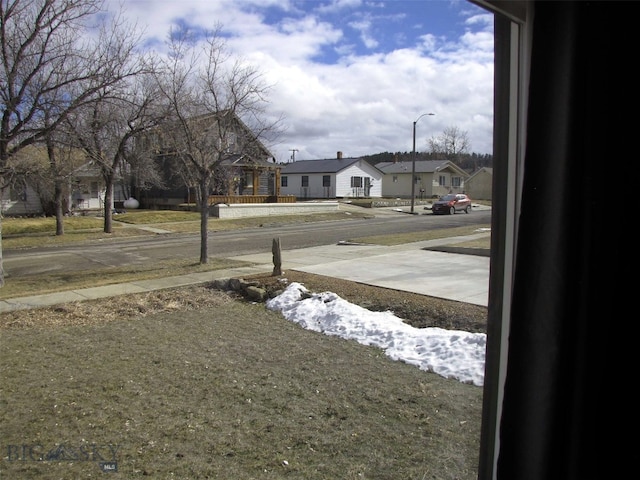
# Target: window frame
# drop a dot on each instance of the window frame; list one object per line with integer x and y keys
{"x": 512, "y": 34}
{"x": 359, "y": 181}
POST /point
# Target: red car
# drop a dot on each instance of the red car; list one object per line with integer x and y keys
{"x": 452, "y": 203}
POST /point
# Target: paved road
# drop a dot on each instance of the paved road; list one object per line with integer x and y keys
{"x": 225, "y": 244}
{"x": 410, "y": 267}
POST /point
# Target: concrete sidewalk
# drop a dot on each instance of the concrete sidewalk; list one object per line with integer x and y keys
{"x": 408, "y": 267}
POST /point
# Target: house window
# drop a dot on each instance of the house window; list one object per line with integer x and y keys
{"x": 326, "y": 180}
{"x": 395, "y": 178}
{"x": 356, "y": 182}
{"x": 456, "y": 181}
{"x": 442, "y": 180}
{"x": 94, "y": 189}
{"x": 284, "y": 181}
{"x": 305, "y": 180}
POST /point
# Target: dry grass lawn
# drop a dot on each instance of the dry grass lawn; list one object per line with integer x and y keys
{"x": 195, "y": 383}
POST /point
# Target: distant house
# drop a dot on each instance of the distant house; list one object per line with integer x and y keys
{"x": 87, "y": 190}
{"x": 331, "y": 178}
{"x": 246, "y": 167}
{"x": 83, "y": 189}
{"x": 433, "y": 178}
{"x": 478, "y": 186}
{"x": 20, "y": 199}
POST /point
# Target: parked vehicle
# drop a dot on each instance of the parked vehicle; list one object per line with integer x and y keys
{"x": 451, "y": 203}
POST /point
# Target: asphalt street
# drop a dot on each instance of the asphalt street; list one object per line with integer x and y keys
{"x": 162, "y": 246}
{"x": 413, "y": 267}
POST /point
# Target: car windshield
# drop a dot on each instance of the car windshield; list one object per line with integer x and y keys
{"x": 448, "y": 198}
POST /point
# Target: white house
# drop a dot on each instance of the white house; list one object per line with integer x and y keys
{"x": 87, "y": 189}
{"x": 433, "y": 178}
{"x": 85, "y": 193}
{"x": 331, "y": 178}
{"x": 20, "y": 199}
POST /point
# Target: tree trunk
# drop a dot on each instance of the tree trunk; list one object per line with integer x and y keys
{"x": 1, "y": 266}
{"x": 59, "y": 206}
{"x": 204, "y": 221}
{"x": 57, "y": 187}
{"x": 108, "y": 200}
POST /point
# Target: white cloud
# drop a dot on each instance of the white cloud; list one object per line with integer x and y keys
{"x": 337, "y": 5}
{"x": 336, "y": 96}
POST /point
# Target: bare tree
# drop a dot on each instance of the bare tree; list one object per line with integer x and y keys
{"x": 138, "y": 173}
{"x": 107, "y": 128}
{"x": 51, "y": 67}
{"x": 452, "y": 143}
{"x": 63, "y": 160}
{"x": 215, "y": 101}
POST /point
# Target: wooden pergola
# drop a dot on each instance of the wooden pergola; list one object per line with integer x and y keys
{"x": 259, "y": 171}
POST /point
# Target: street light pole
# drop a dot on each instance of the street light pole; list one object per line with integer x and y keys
{"x": 413, "y": 162}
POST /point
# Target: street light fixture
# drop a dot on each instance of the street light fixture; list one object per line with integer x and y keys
{"x": 413, "y": 162}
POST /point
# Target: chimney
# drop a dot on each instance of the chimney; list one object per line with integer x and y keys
{"x": 339, "y": 155}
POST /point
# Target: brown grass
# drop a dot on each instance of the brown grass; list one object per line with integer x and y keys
{"x": 194, "y": 383}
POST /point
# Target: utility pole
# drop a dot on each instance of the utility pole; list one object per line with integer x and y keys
{"x": 293, "y": 155}
{"x": 413, "y": 162}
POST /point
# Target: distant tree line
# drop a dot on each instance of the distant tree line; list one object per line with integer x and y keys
{"x": 452, "y": 144}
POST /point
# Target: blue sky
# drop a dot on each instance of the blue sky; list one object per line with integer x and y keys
{"x": 352, "y": 75}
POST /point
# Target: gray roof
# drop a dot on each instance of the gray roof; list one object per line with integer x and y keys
{"x": 422, "y": 166}
{"x": 332, "y": 165}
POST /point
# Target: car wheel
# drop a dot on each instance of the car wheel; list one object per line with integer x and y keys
{"x": 467, "y": 209}
{"x": 452, "y": 210}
